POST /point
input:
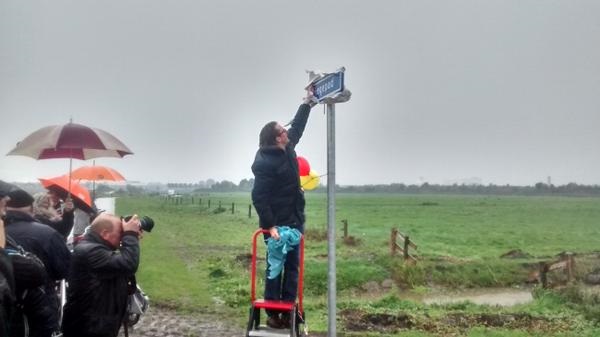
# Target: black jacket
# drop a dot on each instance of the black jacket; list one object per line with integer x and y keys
{"x": 98, "y": 285}
{"x": 276, "y": 194}
{"x": 41, "y": 240}
{"x": 40, "y": 304}
{"x": 7, "y": 292}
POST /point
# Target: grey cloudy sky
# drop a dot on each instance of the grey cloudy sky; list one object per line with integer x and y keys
{"x": 443, "y": 91}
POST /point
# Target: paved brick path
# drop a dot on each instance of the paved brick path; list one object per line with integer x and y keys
{"x": 158, "y": 322}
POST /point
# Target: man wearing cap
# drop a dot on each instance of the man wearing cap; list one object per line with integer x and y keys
{"x": 7, "y": 283}
{"x": 41, "y": 306}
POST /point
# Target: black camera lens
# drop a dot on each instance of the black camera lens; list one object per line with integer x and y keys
{"x": 146, "y": 222}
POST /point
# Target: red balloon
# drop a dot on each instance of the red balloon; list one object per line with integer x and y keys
{"x": 303, "y": 166}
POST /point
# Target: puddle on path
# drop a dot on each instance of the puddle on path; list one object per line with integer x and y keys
{"x": 504, "y": 297}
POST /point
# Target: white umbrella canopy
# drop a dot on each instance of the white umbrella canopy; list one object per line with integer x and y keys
{"x": 70, "y": 140}
{"x": 73, "y": 141}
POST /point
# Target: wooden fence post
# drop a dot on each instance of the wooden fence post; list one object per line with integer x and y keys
{"x": 407, "y": 244}
{"x": 393, "y": 244}
{"x": 570, "y": 266}
{"x": 208, "y": 203}
{"x": 543, "y": 274}
{"x": 345, "y": 222}
{"x": 566, "y": 263}
{"x": 232, "y": 207}
{"x": 249, "y": 211}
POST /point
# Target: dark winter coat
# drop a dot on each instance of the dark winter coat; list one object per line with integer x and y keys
{"x": 41, "y": 240}
{"x": 276, "y": 194}
{"x": 7, "y": 292}
{"x": 40, "y": 304}
{"x": 98, "y": 285}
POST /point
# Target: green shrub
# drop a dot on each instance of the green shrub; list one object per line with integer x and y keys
{"x": 349, "y": 275}
{"x": 407, "y": 276}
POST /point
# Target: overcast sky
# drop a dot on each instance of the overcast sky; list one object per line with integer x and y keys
{"x": 504, "y": 92}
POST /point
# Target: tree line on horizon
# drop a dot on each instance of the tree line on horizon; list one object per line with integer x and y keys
{"x": 245, "y": 185}
{"x": 540, "y": 188}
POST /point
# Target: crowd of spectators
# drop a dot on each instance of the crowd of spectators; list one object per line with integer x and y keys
{"x": 99, "y": 271}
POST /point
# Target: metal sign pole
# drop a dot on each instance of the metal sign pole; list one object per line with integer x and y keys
{"x": 330, "y": 89}
{"x": 331, "y": 218}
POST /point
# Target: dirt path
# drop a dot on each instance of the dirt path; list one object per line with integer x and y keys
{"x": 159, "y": 322}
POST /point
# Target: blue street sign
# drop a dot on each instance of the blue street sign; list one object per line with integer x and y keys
{"x": 329, "y": 85}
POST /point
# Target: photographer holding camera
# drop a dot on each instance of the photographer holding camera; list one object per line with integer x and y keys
{"x": 102, "y": 265}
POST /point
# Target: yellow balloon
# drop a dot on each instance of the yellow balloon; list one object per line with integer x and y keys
{"x": 310, "y": 182}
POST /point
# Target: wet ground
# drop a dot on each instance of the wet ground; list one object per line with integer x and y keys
{"x": 160, "y": 322}
{"x": 163, "y": 322}
{"x": 451, "y": 324}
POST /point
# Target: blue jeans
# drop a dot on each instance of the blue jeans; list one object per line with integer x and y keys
{"x": 285, "y": 286}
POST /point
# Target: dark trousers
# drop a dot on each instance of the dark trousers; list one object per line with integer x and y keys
{"x": 285, "y": 286}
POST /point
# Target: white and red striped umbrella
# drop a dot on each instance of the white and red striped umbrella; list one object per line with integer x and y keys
{"x": 70, "y": 140}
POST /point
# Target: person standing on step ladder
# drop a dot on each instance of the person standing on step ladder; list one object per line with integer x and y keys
{"x": 279, "y": 200}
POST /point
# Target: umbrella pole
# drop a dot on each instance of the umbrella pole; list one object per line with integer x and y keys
{"x": 70, "y": 165}
{"x": 70, "y": 169}
{"x": 94, "y": 184}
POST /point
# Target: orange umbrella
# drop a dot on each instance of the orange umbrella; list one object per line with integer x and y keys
{"x": 79, "y": 194}
{"x": 96, "y": 173}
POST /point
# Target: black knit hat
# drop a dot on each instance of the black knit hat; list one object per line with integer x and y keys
{"x": 19, "y": 198}
{"x": 6, "y": 188}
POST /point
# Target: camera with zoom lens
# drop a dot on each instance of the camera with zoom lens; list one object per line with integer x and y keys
{"x": 146, "y": 222}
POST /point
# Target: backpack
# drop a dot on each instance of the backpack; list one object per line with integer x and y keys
{"x": 29, "y": 270}
{"x": 7, "y": 296}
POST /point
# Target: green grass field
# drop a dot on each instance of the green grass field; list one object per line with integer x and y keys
{"x": 196, "y": 259}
